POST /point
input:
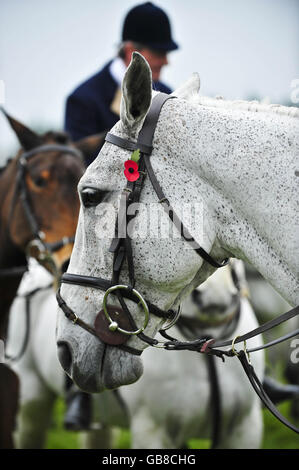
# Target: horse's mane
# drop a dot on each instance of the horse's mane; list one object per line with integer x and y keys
{"x": 3, "y": 167}
{"x": 252, "y": 106}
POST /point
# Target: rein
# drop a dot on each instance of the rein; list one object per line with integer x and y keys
{"x": 110, "y": 325}
{"x": 25, "y": 341}
{"x": 37, "y": 247}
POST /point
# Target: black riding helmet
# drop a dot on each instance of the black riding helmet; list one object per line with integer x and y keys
{"x": 149, "y": 25}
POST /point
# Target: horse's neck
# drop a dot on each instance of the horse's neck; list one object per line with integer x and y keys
{"x": 246, "y": 164}
{"x": 8, "y": 178}
{"x": 10, "y": 255}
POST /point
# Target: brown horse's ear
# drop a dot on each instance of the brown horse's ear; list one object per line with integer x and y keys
{"x": 27, "y": 138}
{"x": 90, "y": 146}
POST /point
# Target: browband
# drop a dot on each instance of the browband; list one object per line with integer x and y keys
{"x": 51, "y": 148}
{"x": 127, "y": 144}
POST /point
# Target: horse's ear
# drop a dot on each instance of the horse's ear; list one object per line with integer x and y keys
{"x": 90, "y": 146}
{"x": 136, "y": 92}
{"x": 189, "y": 88}
{"x": 27, "y": 138}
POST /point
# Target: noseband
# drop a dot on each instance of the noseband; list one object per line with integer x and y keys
{"x": 37, "y": 247}
{"x": 108, "y": 320}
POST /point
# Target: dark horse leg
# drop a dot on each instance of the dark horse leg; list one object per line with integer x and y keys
{"x": 78, "y": 408}
{"x": 9, "y": 398}
{"x": 9, "y": 382}
{"x": 292, "y": 375}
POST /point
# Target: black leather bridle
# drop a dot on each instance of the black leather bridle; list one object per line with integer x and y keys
{"x": 122, "y": 249}
{"x": 111, "y": 327}
{"x": 37, "y": 247}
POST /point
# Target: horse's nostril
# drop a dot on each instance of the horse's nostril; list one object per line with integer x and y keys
{"x": 65, "y": 356}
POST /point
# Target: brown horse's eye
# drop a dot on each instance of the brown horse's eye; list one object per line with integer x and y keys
{"x": 40, "y": 182}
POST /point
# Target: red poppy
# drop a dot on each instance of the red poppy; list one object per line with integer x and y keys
{"x": 131, "y": 170}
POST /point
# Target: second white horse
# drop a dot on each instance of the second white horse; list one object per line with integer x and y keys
{"x": 171, "y": 403}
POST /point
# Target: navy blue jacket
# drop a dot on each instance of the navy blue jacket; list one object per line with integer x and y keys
{"x": 88, "y": 107}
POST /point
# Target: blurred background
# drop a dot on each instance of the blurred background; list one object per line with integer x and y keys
{"x": 242, "y": 50}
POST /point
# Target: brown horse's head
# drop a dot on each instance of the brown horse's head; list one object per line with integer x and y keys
{"x": 45, "y": 174}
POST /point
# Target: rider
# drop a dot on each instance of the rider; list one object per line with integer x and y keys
{"x": 94, "y": 106}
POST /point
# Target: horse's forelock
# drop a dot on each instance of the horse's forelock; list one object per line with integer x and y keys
{"x": 57, "y": 137}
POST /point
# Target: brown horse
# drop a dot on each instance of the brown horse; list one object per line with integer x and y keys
{"x": 39, "y": 207}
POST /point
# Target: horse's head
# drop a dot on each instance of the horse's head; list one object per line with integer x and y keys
{"x": 40, "y": 201}
{"x": 150, "y": 253}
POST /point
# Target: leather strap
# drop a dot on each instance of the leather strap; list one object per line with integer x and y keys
{"x": 27, "y": 323}
{"x": 258, "y": 387}
{"x": 70, "y": 314}
{"x": 51, "y": 148}
{"x": 275, "y": 341}
{"x": 103, "y": 284}
{"x": 185, "y": 234}
{"x": 215, "y": 402}
{"x": 146, "y": 135}
{"x": 262, "y": 329}
{"x": 13, "y": 272}
{"x": 127, "y": 144}
{"x": 55, "y": 246}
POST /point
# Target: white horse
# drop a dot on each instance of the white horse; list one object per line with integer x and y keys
{"x": 171, "y": 403}
{"x": 236, "y": 160}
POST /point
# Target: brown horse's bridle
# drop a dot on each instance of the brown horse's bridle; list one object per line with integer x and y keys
{"x": 114, "y": 326}
{"x": 37, "y": 246}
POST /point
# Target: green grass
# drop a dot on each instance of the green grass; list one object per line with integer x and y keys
{"x": 58, "y": 437}
{"x": 276, "y": 435}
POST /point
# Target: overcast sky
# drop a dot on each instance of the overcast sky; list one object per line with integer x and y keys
{"x": 241, "y": 48}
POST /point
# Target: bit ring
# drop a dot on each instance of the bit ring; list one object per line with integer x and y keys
{"x": 113, "y": 325}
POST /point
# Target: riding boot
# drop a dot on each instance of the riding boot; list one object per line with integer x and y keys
{"x": 78, "y": 408}
{"x": 292, "y": 376}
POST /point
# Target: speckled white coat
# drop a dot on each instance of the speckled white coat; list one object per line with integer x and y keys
{"x": 237, "y": 160}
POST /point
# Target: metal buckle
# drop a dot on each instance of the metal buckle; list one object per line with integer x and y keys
{"x": 36, "y": 249}
{"x": 173, "y": 321}
{"x": 236, "y": 353}
{"x": 113, "y": 324}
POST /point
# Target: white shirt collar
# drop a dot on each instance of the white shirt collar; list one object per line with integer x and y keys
{"x": 117, "y": 69}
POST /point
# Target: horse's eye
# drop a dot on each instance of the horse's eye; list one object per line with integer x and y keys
{"x": 92, "y": 197}
{"x": 40, "y": 182}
